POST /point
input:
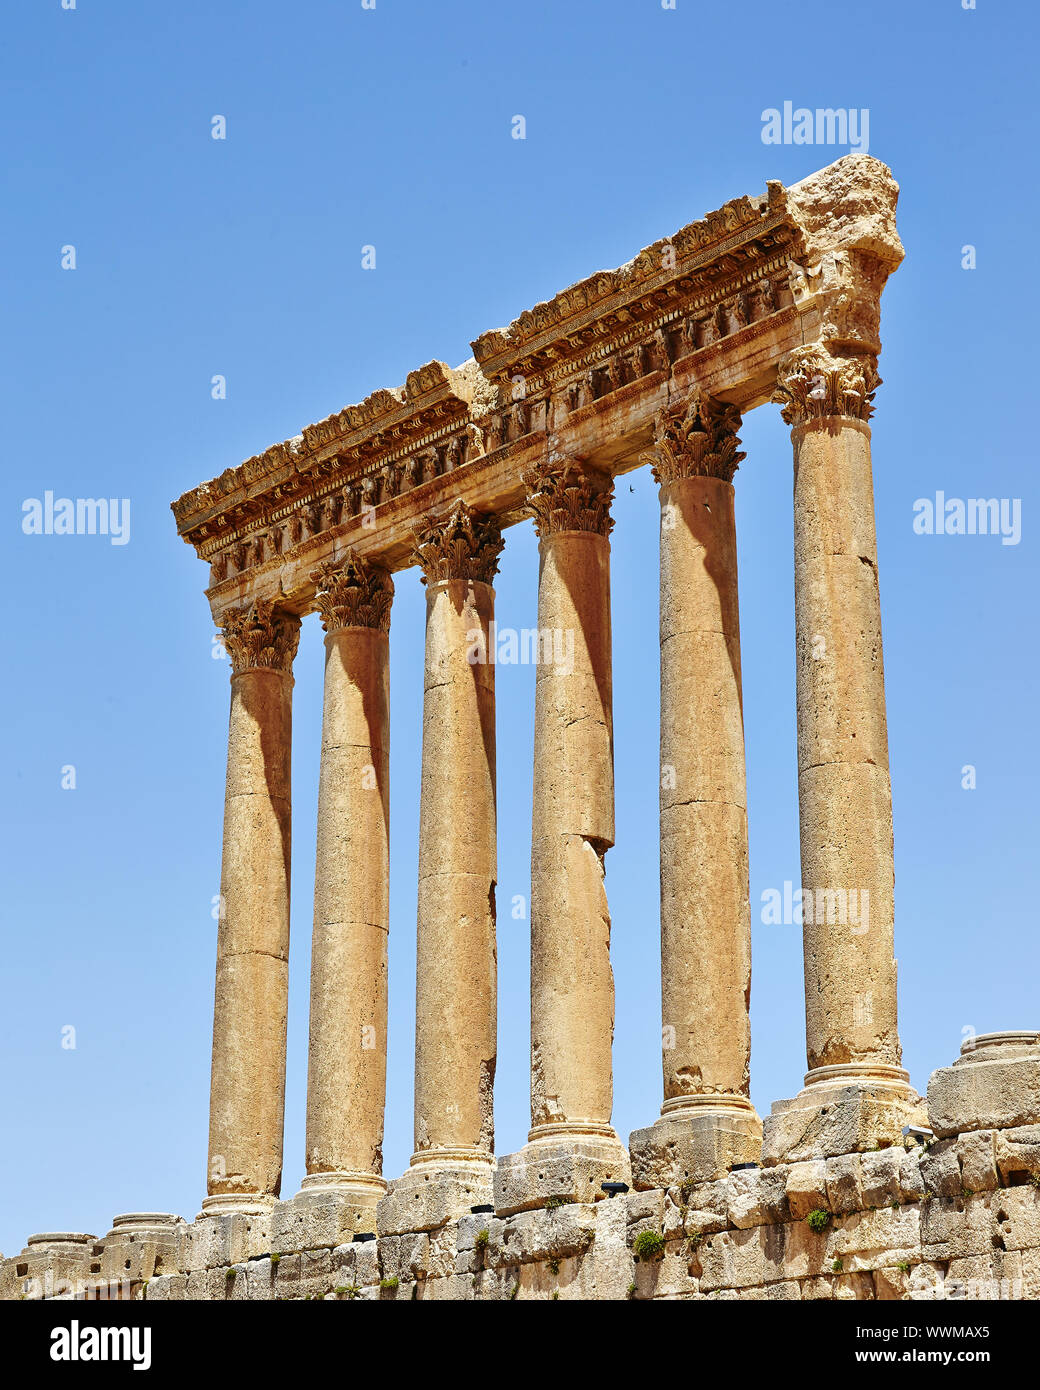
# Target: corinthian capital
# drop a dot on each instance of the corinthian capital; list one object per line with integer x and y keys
{"x": 463, "y": 545}
{"x": 814, "y": 385}
{"x": 353, "y": 593}
{"x": 261, "y": 637}
{"x": 569, "y": 497}
{"x": 696, "y": 438}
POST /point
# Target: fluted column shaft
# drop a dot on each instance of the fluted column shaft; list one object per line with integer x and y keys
{"x": 456, "y": 1031}
{"x": 247, "y": 1097}
{"x": 346, "y": 1076}
{"x": 844, "y": 790}
{"x": 572, "y": 984}
{"x": 705, "y": 908}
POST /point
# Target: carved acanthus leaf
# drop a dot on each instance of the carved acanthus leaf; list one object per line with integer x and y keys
{"x": 463, "y": 545}
{"x": 696, "y": 438}
{"x": 569, "y": 497}
{"x": 353, "y": 592}
{"x": 813, "y": 385}
{"x": 261, "y": 636}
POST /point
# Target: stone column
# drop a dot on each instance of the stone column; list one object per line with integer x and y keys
{"x": 346, "y": 1074}
{"x": 707, "y": 1121}
{"x": 455, "y": 1012}
{"x": 844, "y": 792}
{"x": 572, "y": 1148}
{"x": 247, "y": 1096}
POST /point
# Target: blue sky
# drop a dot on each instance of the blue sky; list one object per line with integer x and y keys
{"x": 242, "y": 258}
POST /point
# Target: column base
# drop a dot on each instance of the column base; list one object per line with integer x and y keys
{"x": 843, "y": 1109}
{"x": 993, "y": 1084}
{"x": 559, "y": 1163}
{"x": 697, "y": 1139}
{"x": 140, "y": 1243}
{"x": 366, "y": 1189}
{"x": 437, "y": 1188}
{"x": 237, "y": 1204}
{"x": 330, "y": 1209}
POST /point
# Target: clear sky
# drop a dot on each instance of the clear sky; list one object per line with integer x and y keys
{"x": 242, "y": 258}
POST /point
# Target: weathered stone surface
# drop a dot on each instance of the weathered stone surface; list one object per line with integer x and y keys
{"x": 316, "y": 1218}
{"x": 824, "y": 1123}
{"x": 456, "y": 1030}
{"x": 572, "y": 1170}
{"x": 166, "y": 1288}
{"x": 976, "y": 1153}
{"x": 940, "y": 1170}
{"x": 427, "y": 1197}
{"x": 1017, "y": 1153}
{"x": 142, "y": 1244}
{"x": 844, "y": 1183}
{"x": 693, "y": 1148}
{"x": 994, "y": 1084}
{"x": 758, "y": 1197}
{"x": 806, "y": 1188}
{"x": 742, "y": 1259}
{"x": 247, "y": 1098}
{"x": 880, "y": 1176}
{"x": 215, "y": 1241}
{"x": 346, "y": 1078}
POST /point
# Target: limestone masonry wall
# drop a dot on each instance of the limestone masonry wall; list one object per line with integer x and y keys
{"x": 953, "y": 1216}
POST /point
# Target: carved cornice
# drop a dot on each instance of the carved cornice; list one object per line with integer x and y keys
{"x": 353, "y": 593}
{"x": 569, "y": 497}
{"x": 696, "y": 438}
{"x": 463, "y": 545}
{"x": 312, "y": 468}
{"x": 719, "y": 255}
{"x": 718, "y": 304}
{"x": 814, "y": 385}
{"x": 261, "y": 636}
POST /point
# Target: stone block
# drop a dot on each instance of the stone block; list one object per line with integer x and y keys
{"x": 427, "y": 1197}
{"x": 316, "y": 1219}
{"x": 865, "y": 1239}
{"x": 879, "y": 1176}
{"x": 758, "y": 1196}
{"x": 552, "y": 1170}
{"x": 994, "y": 1084}
{"x": 141, "y": 1244}
{"x": 308, "y": 1275}
{"x": 994, "y": 1275}
{"x": 956, "y": 1228}
{"x": 976, "y": 1154}
{"x": 214, "y": 1241}
{"x": 742, "y": 1259}
{"x": 553, "y": 1234}
{"x": 357, "y": 1263}
{"x": 673, "y": 1214}
{"x": 940, "y": 1170}
{"x": 166, "y": 1288}
{"x": 844, "y": 1183}
{"x": 702, "y": 1223}
{"x": 694, "y": 1148}
{"x": 787, "y": 1291}
{"x": 826, "y": 1121}
{"x": 1017, "y": 1153}
{"x": 911, "y": 1183}
{"x": 890, "y": 1283}
{"x": 645, "y": 1210}
{"x": 806, "y": 1188}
